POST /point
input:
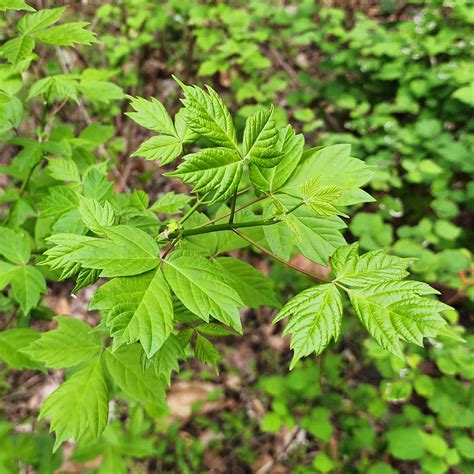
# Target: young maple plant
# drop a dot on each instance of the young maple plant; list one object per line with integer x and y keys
{"x": 166, "y": 283}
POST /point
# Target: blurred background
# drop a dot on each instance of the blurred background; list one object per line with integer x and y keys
{"x": 395, "y": 79}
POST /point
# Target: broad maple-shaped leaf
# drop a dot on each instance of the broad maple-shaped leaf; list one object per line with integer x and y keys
{"x": 315, "y": 318}
{"x": 212, "y": 169}
{"x": 138, "y": 308}
{"x": 79, "y": 408}
{"x": 203, "y": 289}
{"x": 72, "y": 343}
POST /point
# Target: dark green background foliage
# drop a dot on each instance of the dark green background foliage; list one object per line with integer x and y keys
{"x": 89, "y": 195}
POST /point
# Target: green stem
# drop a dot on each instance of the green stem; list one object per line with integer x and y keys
{"x": 279, "y": 259}
{"x": 232, "y": 208}
{"x": 295, "y": 207}
{"x": 227, "y": 214}
{"x": 190, "y": 212}
{"x": 219, "y": 228}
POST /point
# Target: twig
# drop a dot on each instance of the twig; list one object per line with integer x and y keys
{"x": 279, "y": 259}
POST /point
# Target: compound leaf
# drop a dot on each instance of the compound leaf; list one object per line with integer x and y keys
{"x": 390, "y": 308}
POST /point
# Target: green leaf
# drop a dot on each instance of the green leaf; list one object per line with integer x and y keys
{"x": 14, "y": 5}
{"x": 200, "y": 286}
{"x": 60, "y": 200}
{"x": 6, "y": 272}
{"x": 100, "y": 91}
{"x": 260, "y": 139}
{"x": 67, "y": 34}
{"x": 35, "y": 22}
{"x": 95, "y": 215}
{"x": 79, "y": 408}
{"x": 208, "y": 116}
{"x": 254, "y": 289}
{"x": 126, "y": 370}
{"x": 58, "y": 257}
{"x": 316, "y": 237}
{"x": 214, "y": 330}
{"x": 163, "y": 147}
{"x": 126, "y": 251}
{"x": 170, "y": 203}
{"x": 72, "y": 343}
{"x": 185, "y": 134}
{"x": 368, "y": 269}
{"x": 18, "y": 48}
{"x": 332, "y": 166}
{"x": 28, "y": 284}
{"x": 152, "y": 114}
{"x": 315, "y": 318}
{"x": 15, "y": 245}
{"x": 396, "y": 310}
{"x": 12, "y": 343}
{"x": 138, "y": 308}
{"x": 272, "y": 179}
{"x": 212, "y": 169}
{"x": 55, "y": 88}
{"x": 280, "y": 239}
{"x": 465, "y": 94}
{"x": 63, "y": 169}
{"x": 206, "y": 352}
{"x": 321, "y": 199}
{"x": 166, "y": 359}
{"x": 391, "y": 309}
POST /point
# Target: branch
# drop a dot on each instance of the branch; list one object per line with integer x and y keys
{"x": 279, "y": 259}
{"x": 219, "y": 228}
